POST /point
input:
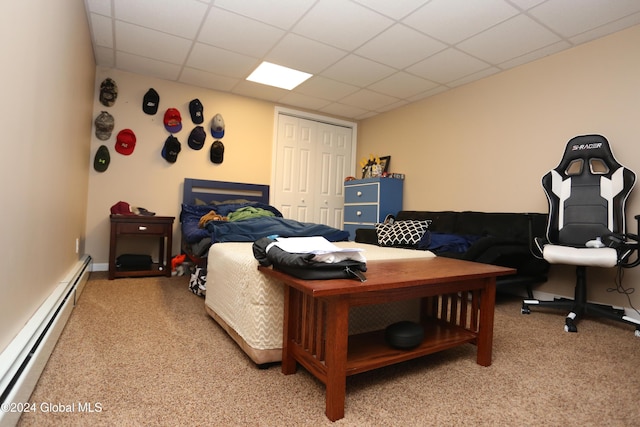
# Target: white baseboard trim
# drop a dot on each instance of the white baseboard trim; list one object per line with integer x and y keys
{"x": 103, "y": 266}
{"x": 22, "y": 362}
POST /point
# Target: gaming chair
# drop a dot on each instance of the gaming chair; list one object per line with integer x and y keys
{"x": 587, "y": 192}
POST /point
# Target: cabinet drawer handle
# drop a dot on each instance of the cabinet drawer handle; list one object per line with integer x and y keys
{"x": 359, "y": 213}
{"x": 142, "y": 228}
{"x": 359, "y": 193}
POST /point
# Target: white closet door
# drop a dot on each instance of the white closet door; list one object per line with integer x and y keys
{"x": 312, "y": 159}
{"x": 293, "y": 188}
{"x": 334, "y": 164}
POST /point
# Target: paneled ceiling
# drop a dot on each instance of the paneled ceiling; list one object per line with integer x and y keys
{"x": 366, "y": 56}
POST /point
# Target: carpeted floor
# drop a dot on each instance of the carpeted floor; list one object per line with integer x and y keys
{"x": 144, "y": 352}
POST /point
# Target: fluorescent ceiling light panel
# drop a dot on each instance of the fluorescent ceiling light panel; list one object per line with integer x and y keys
{"x": 278, "y": 76}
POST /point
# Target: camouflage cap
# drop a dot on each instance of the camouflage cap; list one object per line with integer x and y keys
{"x": 108, "y": 92}
{"x": 104, "y": 125}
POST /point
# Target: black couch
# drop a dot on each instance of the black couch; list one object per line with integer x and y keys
{"x": 496, "y": 238}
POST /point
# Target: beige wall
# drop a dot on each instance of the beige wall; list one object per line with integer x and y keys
{"x": 146, "y": 179}
{"x": 485, "y": 146}
{"x": 47, "y": 93}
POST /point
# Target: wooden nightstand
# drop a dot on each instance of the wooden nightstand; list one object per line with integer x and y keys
{"x": 160, "y": 227}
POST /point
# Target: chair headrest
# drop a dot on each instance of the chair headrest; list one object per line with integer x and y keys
{"x": 586, "y": 148}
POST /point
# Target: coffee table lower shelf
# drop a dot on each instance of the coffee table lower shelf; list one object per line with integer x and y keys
{"x": 370, "y": 351}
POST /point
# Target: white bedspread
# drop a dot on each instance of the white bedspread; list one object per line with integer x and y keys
{"x": 252, "y": 304}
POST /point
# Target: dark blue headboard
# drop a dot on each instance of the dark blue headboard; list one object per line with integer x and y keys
{"x": 208, "y": 191}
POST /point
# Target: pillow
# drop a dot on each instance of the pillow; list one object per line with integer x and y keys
{"x": 401, "y": 233}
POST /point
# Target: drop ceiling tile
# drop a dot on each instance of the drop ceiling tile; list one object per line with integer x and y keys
{"x": 618, "y": 25}
{"x": 367, "y": 99}
{"x": 219, "y": 61}
{"x": 237, "y": 33}
{"x": 402, "y": 85}
{"x": 260, "y": 91}
{"x": 455, "y": 20}
{"x": 536, "y": 54}
{"x": 304, "y": 101}
{"x": 343, "y": 110}
{"x": 209, "y": 80}
{"x": 436, "y": 90}
{"x": 284, "y": 14}
{"x": 526, "y": 4}
{"x": 322, "y": 87}
{"x": 585, "y": 14}
{"x": 393, "y": 9}
{"x": 294, "y": 51}
{"x": 102, "y": 28}
{"x": 341, "y": 23}
{"x": 447, "y": 66}
{"x": 390, "y": 107}
{"x": 400, "y": 46}
{"x": 152, "y": 44}
{"x": 475, "y": 76}
{"x": 357, "y": 71}
{"x": 163, "y": 15}
{"x": 515, "y": 37}
{"x": 146, "y": 66}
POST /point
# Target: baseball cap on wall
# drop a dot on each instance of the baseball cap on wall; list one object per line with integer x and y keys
{"x": 150, "y": 102}
{"x": 197, "y": 137}
{"x": 197, "y": 111}
{"x": 104, "y": 125}
{"x": 172, "y": 120}
{"x": 108, "y": 92}
{"x": 102, "y": 159}
{"x": 217, "y": 126}
{"x": 171, "y": 149}
{"x": 217, "y": 152}
{"x": 125, "y": 142}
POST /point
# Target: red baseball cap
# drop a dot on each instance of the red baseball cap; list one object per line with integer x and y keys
{"x": 121, "y": 208}
{"x": 172, "y": 120}
{"x": 125, "y": 142}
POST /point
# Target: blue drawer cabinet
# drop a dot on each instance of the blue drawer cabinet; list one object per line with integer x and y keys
{"x": 368, "y": 201}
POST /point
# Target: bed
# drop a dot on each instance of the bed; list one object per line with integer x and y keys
{"x": 244, "y": 302}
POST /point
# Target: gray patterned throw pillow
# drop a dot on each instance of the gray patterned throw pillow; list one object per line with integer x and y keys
{"x": 401, "y": 233}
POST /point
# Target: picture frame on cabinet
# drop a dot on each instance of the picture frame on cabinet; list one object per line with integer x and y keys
{"x": 384, "y": 163}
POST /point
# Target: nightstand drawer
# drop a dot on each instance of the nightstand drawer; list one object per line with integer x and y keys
{"x": 361, "y": 213}
{"x": 142, "y": 228}
{"x": 361, "y": 193}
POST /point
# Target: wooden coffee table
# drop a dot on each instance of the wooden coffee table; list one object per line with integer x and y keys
{"x": 457, "y": 304}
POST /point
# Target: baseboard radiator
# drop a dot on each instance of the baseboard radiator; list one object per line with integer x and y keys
{"x": 22, "y": 362}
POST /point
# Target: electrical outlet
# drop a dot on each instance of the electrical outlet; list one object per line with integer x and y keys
{"x": 77, "y": 245}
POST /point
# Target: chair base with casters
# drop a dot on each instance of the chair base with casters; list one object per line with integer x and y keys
{"x": 579, "y": 307}
{"x": 587, "y": 192}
